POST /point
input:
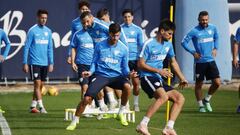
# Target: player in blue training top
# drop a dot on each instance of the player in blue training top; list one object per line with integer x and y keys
{"x": 154, "y": 52}
{"x": 236, "y": 53}
{"x": 3, "y": 55}
{"x": 77, "y": 25}
{"x": 38, "y": 57}
{"x": 135, "y": 41}
{"x": 109, "y": 68}
{"x": 205, "y": 41}
{"x": 82, "y": 55}
{"x": 97, "y": 29}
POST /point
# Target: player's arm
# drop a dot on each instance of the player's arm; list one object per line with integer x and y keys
{"x": 235, "y": 54}
{"x": 50, "y": 54}
{"x": 7, "y": 48}
{"x": 94, "y": 62}
{"x": 216, "y": 43}
{"x": 140, "y": 40}
{"x": 28, "y": 43}
{"x": 73, "y": 46}
{"x": 124, "y": 64}
{"x": 185, "y": 45}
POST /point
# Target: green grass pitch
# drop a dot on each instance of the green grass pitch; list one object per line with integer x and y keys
{"x": 222, "y": 121}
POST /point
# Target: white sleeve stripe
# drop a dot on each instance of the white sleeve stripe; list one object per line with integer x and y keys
{"x": 144, "y": 46}
{"x": 102, "y": 24}
{"x": 74, "y": 35}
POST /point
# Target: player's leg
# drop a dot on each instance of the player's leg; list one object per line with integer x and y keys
{"x": 153, "y": 88}
{"x": 178, "y": 101}
{"x": 95, "y": 85}
{"x": 135, "y": 81}
{"x": 110, "y": 97}
{"x": 199, "y": 76}
{"x": 212, "y": 74}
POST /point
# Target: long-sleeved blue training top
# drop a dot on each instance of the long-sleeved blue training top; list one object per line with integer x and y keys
{"x": 4, "y": 38}
{"x": 134, "y": 37}
{"x": 110, "y": 60}
{"x": 38, "y": 49}
{"x": 83, "y": 44}
{"x": 204, "y": 41}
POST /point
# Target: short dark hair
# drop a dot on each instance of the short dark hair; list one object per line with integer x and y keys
{"x": 83, "y": 3}
{"x": 102, "y": 12}
{"x": 114, "y": 28}
{"x": 42, "y": 11}
{"x": 127, "y": 11}
{"x": 202, "y": 13}
{"x": 166, "y": 25}
{"x": 84, "y": 14}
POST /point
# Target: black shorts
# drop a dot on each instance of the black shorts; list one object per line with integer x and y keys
{"x": 208, "y": 70}
{"x": 150, "y": 84}
{"x": 38, "y": 72}
{"x": 132, "y": 64}
{"x": 98, "y": 82}
{"x": 81, "y": 68}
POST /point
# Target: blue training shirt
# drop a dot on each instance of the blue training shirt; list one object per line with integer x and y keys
{"x": 83, "y": 43}
{"x": 38, "y": 49}
{"x": 76, "y": 26}
{"x": 135, "y": 41}
{"x": 99, "y": 31}
{"x": 110, "y": 60}
{"x": 4, "y": 38}
{"x": 204, "y": 41}
{"x": 154, "y": 53}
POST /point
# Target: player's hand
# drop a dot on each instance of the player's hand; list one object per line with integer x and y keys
{"x": 25, "y": 68}
{"x": 1, "y": 59}
{"x": 165, "y": 73}
{"x": 86, "y": 74}
{"x": 182, "y": 84}
{"x": 214, "y": 52}
{"x": 235, "y": 63}
{"x": 133, "y": 74}
{"x": 74, "y": 67}
{"x": 69, "y": 60}
{"x": 197, "y": 55}
{"x": 50, "y": 68}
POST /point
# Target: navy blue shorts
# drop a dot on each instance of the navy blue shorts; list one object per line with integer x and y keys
{"x": 81, "y": 68}
{"x": 38, "y": 72}
{"x": 208, "y": 70}
{"x": 150, "y": 84}
{"x": 98, "y": 82}
{"x": 132, "y": 64}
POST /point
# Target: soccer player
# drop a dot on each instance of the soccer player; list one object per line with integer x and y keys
{"x": 154, "y": 51}
{"x": 82, "y": 55}
{"x": 135, "y": 41}
{"x": 236, "y": 53}
{"x": 76, "y": 24}
{"x": 3, "y": 56}
{"x": 205, "y": 41}
{"x": 38, "y": 57}
{"x": 103, "y": 14}
{"x": 109, "y": 68}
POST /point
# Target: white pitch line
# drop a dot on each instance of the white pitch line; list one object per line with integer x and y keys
{"x": 4, "y": 126}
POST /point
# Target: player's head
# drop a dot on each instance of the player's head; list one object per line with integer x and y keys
{"x": 127, "y": 16}
{"x": 166, "y": 29}
{"x": 203, "y": 18}
{"x": 103, "y": 14}
{"x": 86, "y": 19}
{"x": 114, "y": 32}
{"x": 42, "y": 16}
{"x": 83, "y": 6}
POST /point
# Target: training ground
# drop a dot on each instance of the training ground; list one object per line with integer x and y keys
{"x": 15, "y": 100}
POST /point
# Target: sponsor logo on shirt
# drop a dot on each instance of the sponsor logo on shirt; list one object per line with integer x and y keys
{"x": 158, "y": 57}
{"x": 46, "y": 34}
{"x": 41, "y": 41}
{"x": 132, "y": 32}
{"x": 88, "y": 45}
{"x": 131, "y": 40}
{"x": 210, "y": 32}
{"x": 110, "y": 60}
{"x": 205, "y": 40}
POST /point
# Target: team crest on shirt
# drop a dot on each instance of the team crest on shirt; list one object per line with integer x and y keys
{"x": 210, "y": 32}
{"x": 45, "y": 33}
{"x": 197, "y": 75}
{"x": 166, "y": 49}
{"x": 116, "y": 52}
{"x": 132, "y": 32}
{"x": 97, "y": 32}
